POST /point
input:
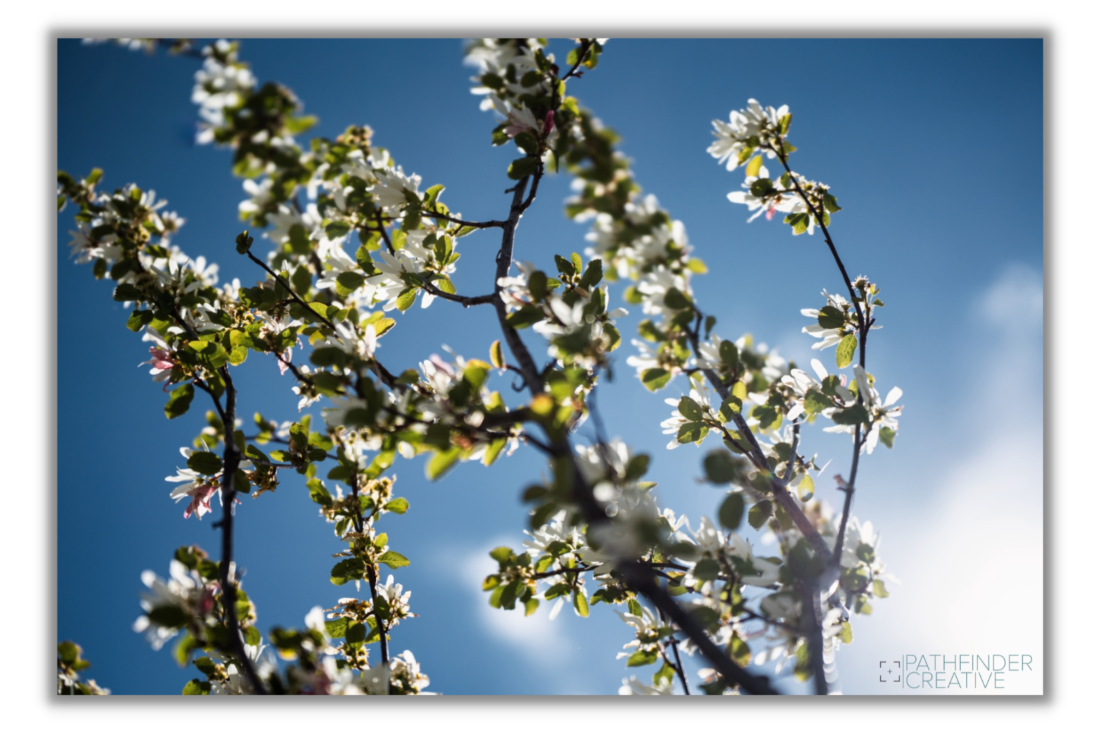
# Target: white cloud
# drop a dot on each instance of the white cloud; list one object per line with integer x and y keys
{"x": 534, "y": 636}
{"x": 971, "y": 554}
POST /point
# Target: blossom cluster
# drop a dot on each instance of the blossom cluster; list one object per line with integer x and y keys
{"x": 595, "y": 522}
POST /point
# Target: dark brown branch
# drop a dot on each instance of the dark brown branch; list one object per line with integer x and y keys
{"x": 290, "y": 290}
{"x": 675, "y": 644}
{"x": 382, "y": 231}
{"x": 231, "y": 458}
{"x": 464, "y": 300}
{"x": 475, "y": 224}
{"x": 504, "y": 263}
{"x": 863, "y": 325}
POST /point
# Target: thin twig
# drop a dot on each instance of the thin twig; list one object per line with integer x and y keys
{"x": 475, "y": 224}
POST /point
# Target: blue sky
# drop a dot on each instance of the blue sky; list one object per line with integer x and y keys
{"x": 933, "y": 148}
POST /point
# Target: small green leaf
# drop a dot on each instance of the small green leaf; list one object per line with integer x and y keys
{"x": 195, "y": 687}
{"x": 692, "y": 432}
{"x": 397, "y": 506}
{"x": 721, "y": 467}
{"x": 538, "y": 283}
{"x": 580, "y": 603}
{"x": 727, "y": 352}
{"x": 337, "y": 627}
{"x": 405, "y": 299}
{"x": 592, "y": 274}
{"x": 731, "y": 406}
{"x": 522, "y": 167}
{"x": 852, "y": 415}
{"x": 830, "y": 317}
{"x": 441, "y": 463}
{"x": 880, "y": 589}
{"x": 655, "y": 379}
{"x": 760, "y": 513}
{"x": 677, "y": 300}
{"x": 526, "y": 316}
{"x": 351, "y": 568}
{"x": 752, "y": 168}
{"x": 637, "y": 467}
{"x": 348, "y": 282}
{"x": 815, "y": 402}
{"x": 205, "y": 463}
{"x": 496, "y": 354}
{"x": 887, "y": 435}
{"x": 845, "y": 350}
{"x": 393, "y": 559}
{"x": 731, "y": 511}
{"x": 690, "y": 409}
{"x": 179, "y": 401}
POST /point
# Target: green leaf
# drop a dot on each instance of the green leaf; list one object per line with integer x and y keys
{"x": 179, "y": 401}
{"x": 337, "y": 627}
{"x": 351, "y": 568}
{"x": 592, "y": 274}
{"x": 172, "y": 617}
{"x": 537, "y": 284}
{"x": 690, "y": 409}
{"x": 846, "y": 632}
{"x": 138, "y": 319}
{"x": 845, "y": 350}
{"x": 655, "y": 379}
{"x": 348, "y": 282}
{"x": 525, "y": 141}
{"x": 886, "y": 435}
{"x": 637, "y": 467}
{"x": 731, "y": 511}
{"x": 761, "y": 187}
{"x": 195, "y": 687}
{"x": 205, "y": 463}
{"x": 522, "y": 167}
{"x": 880, "y": 589}
{"x": 727, "y": 351}
{"x": 706, "y": 569}
{"x": 720, "y": 467}
{"x": 393, "y": 559}
{"x": 318, "y": 492}
{"x": 815, "y": 402}
{"x": 853, "y": 415}
{"x": 641, "y": 658}
{"x": 692, "y": 432}
{"x": 496, "y": 354}
{"x": 730, "y": 406}
{"x": 806, "y": 487}
{"x": 752, "y": 168}
{"x": 441, "y": 463}
{"x": 405, "y": 299}
{"x": 760, "y": 513}
{"x": 830, "y": 317}
{"x": 580, "y": 603}
{"x": 397, "y": 506}
{"x": 126, "y": 291}
{"x": 526, "y": 316}
{"x": 677, "y": 300}
{"x": 243, "y": 242}
{"x": 336, "y": 229}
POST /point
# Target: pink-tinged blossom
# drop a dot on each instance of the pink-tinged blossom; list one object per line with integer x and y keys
{"x": 161, "y": 354}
